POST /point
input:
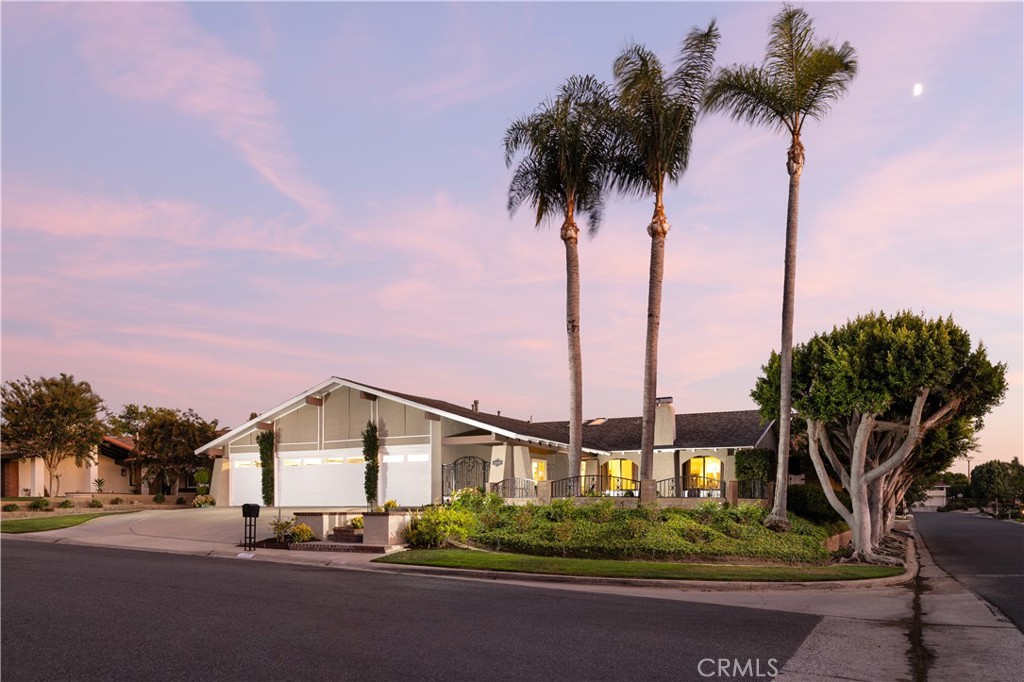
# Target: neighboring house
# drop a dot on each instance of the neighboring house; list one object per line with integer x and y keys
{"x": 430, "y": 448}
{"x": 21, "y": 473}
{"x": 936, "y": 497}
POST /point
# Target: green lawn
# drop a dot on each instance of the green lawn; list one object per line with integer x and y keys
{"x": 48, "y": 522}
{"x": 500, "y": 561}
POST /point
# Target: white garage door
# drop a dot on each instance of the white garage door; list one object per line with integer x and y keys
{"x": 324, "y": 478}
{"x": 405, "y": 474}
{"x": 245, "y": 482}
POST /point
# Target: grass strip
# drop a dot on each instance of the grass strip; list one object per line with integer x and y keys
{"x": 49, "y": 522}
{"x": 606, "y": 568}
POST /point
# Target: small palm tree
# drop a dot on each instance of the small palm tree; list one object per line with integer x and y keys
{"x": 656, "y": 116}
{"x": 800, "y": 78}
{"x": 563, "y": 150}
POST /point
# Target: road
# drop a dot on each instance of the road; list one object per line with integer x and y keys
{"x": 84, "y": 613}
{"x": 984, "y": 554}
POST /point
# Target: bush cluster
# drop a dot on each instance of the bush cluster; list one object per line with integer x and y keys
{"x": 159, "y": 498}
{"x": 42, "y": 504}
{"x": 11, "y": 507}
{"x": 117, "y": 500}
{"x": 66, "y": 504}
{"x": 95, "y": 504}
{"x": 809, "y": 502}
{"x": 600, "y": 530}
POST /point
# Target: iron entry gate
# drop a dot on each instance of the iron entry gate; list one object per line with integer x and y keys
{"x": 465, "y": 472}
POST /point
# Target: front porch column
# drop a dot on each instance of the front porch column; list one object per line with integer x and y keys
{"x": 543, "y": 492}
{"x": 732, "y": 492}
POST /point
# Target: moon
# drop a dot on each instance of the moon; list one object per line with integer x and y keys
{"x": 918, "y": 89}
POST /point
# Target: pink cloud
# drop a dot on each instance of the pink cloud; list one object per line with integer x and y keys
{"x": 156, "y": 52}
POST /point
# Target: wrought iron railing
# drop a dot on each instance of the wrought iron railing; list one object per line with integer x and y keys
{"x": 691, "y": 486}
{"x": 595, "y": 485}
{"x": 514, "y": 488}
{"x": 752, "y": 490}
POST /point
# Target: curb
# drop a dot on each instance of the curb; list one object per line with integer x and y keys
{"x": 912, "y": 568}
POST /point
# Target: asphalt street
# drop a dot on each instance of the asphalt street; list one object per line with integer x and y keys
{"x": 82, "y": 613}
{"x": 984, "y": 554}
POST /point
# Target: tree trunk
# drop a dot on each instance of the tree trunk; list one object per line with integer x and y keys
{"x": 570, "y": 234}
{"x": 876, "y": 505}
{"x": 658, "y": 230}
{"x": 778, "y": 519}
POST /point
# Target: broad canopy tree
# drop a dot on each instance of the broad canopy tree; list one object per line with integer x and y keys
{"x": 873, "y": 392}
{"x": 166, "y": 444}
{"x": 54, "y": 418}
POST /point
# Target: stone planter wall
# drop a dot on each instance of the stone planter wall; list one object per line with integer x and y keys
{"x": 385, "y": 528}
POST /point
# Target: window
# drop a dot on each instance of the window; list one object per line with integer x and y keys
{"x": 540, "y": 469}
{"x": 704, "y": 472}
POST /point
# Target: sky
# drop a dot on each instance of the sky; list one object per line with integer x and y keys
{"x": 219, "y": 205}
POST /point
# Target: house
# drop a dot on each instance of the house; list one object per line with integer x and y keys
{"x": 430, "y": 448}
{"x": 26, "y": 475}
{"x": 936, "y": 497}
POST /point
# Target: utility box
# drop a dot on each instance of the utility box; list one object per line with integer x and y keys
{"x": 250, "y": 511}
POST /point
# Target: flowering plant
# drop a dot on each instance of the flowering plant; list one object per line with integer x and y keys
{"x": 204, "y": 501}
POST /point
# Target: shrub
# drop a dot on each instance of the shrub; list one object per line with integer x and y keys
{"x": 475, "y": 500}
{"x": 41, "y": 504}
{"x": 809, "y": 501}
{"x": 100, "y": 484}
{"x": 440, "y": 526}
{"x": 355, "y": 522}
{"x": 756, "y": 464}
{"x": 66, "y": 504}
{"x": 159, "y": 498}
{"x": 11, "y": 507}
{"x": 282, "y": 527}
{"x": 390, "y": 504}
{"x": 203, "y": 501}
{"x": 180, "y": 500}
{"x": 116, "y": 500}
{"x": 301, "y": 533}
{"x": 95, "y": 504}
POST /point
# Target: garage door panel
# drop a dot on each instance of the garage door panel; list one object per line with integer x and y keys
{"x": 325, "y": 478}
{"x": 405, "y": 474}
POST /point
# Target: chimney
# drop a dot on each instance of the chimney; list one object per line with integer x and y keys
{"x": 664, "y": 422}
{"x": 476, "y": 405}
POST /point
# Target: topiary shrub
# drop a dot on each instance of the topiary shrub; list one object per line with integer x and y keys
{"x": 66, "y": 504}
{"x": 266, "y": 441}
{"x": 809, "y": 501}
{"x": 11, "y": 507}
{"x": 95, "y": 504}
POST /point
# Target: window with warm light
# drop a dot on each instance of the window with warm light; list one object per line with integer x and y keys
{"x": 540, "y": 469}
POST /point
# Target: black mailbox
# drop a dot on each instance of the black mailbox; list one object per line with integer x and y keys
{"x": 250, "y": 511}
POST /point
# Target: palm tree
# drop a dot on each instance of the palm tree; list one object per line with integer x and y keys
{"x": 563, "y": 150}
{"x": 800, "y": 78}
{"x": 656, "y": 116}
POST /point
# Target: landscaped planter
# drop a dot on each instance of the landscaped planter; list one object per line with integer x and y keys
{"x": 385, "y": 528}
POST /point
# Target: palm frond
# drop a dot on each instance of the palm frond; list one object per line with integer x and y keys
{"x": 746, "y": 94}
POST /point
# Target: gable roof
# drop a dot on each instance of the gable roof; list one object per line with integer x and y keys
{"x": 703, "y": 430}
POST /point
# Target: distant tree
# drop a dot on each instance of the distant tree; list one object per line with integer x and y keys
{"x": 658, "y": 112}
{"x": 870, "y": 392}
{"x": 564, "y": 151}
{"x": 799, "y": 79}
{"x": 992, "y": 481}
{"x": 129, "y": 421}
{"x": 166, "y": 444}
{"x": 54, "y": 418}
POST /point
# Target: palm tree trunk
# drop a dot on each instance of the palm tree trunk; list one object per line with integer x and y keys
{"x": 795, "y": 165}
{"x": 570, "y": 234}
{"x": 658, "y": 230}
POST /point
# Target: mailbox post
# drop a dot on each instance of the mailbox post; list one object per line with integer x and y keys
{"x": 250, "y": 512}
